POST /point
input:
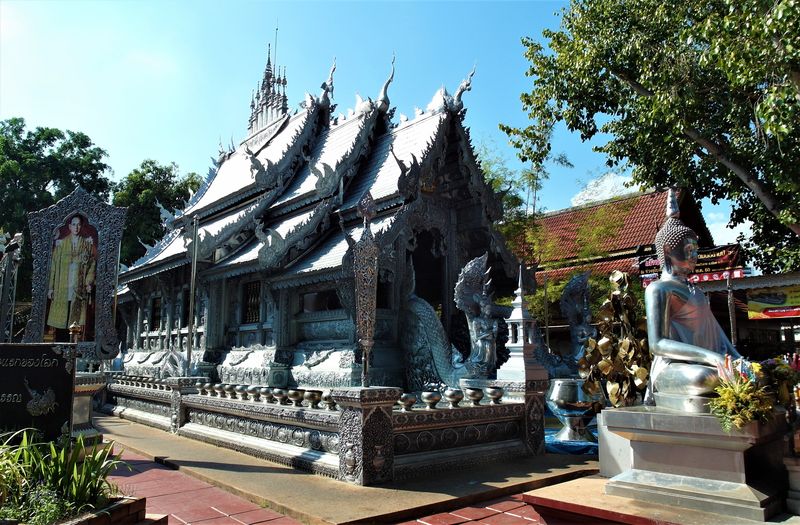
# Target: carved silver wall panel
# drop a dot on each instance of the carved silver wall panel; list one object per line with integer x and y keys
{"x": 452, "y": 437}
{"x": 281, "y": 433}
{"x": 108, "y": 221}
{"x": 11, "y": 257}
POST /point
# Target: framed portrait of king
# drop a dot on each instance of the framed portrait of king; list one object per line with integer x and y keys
{"x": 75, "y": 245}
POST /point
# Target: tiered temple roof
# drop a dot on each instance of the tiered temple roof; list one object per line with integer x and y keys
{"x": 278, "y": 203}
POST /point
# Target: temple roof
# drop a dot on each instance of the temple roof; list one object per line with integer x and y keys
{"x": 274, "y": 203}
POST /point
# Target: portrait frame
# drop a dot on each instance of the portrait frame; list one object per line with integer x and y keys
{"x": 108, "y": 221}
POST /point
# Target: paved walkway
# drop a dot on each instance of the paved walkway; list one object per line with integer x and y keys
{"x": 488, "y": 498}
{"x": 186, "y": 499}
{"x": 190, "y": 501}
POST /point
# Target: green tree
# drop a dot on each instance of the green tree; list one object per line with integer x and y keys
{"x": 139, "y": 191}
{"x": 39, "y": 167}
{"x": 701, "y": 94}
{"x": 517, "y": 225}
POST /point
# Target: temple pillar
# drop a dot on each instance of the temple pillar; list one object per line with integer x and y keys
{"x": 366, "y": 456}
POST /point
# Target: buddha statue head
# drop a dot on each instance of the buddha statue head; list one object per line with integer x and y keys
{"x": 676, "y": 243}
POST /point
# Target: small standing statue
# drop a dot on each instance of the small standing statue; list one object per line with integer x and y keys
{"x": 684, "y": 337}
{"x": 473, "y": 298}
{"x": 483, "y": 334}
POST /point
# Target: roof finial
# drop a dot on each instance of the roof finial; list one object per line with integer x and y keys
{"x": 327, "y": 86}
{"x": 466, "y": 85}
{"x": 276, "y": 42}
{"x": 383, "y": 97}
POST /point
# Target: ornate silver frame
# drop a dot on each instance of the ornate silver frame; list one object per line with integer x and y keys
{"x": 109, "y": 221}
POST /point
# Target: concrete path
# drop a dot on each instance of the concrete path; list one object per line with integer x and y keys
{"x": 489, "y": 494}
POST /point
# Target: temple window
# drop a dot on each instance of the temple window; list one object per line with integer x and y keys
{"x": 320, "y": 301}
{"x": 155, "y": 314}
{"x": 384, "y": 295}
{"x": 185, "y": 308}
{"x": 251, "y": 299}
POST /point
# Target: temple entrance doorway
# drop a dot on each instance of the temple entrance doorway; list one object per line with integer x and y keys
{"x": 429, "y": 271}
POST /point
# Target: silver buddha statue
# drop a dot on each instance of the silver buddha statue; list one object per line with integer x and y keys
{"x": 685, "y": 339}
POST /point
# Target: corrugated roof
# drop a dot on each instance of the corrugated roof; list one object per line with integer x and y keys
{"x": 640, "y": 216}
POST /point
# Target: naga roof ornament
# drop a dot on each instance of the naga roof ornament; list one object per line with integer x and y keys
{"x": 327, "y": 87}
{"x": 383, "y": 97}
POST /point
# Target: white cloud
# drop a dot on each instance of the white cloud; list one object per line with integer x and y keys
{"x": 604, "y": 187}
{"x": 724, "y": 235}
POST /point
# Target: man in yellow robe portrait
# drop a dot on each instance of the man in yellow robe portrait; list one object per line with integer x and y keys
{"x": 72, "y": 273}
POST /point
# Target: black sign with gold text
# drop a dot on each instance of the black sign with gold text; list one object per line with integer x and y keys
{"x": 36, "y": 388}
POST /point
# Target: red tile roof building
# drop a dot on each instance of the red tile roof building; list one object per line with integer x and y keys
{"x": 609, "y": 235}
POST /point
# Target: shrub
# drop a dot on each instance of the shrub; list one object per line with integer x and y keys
{"x": 45, "y": 482}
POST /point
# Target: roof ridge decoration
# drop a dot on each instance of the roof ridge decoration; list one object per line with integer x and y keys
{"x": 444, "y": 101}
{"x": 276, "y": 247}
{"x": 331, "y": 178}
{"x": 209, "y": 242}
{"x": 269, "y": 175}
{"x": 408, "y": 181}
{"x": 152, "y": 251}
{"x": 324, "y": 98}
{"x": 383, "y": 96}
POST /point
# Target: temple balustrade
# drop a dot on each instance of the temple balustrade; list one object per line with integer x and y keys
{"x": 358, "y": 435}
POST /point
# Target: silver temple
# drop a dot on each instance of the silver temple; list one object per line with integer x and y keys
{"x": 283, "y": 320}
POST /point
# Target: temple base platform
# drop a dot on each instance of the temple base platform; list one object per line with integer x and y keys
{"x": 688, "y": 461}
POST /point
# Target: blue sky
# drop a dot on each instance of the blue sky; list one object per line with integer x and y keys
{"x": 168, "y": 79}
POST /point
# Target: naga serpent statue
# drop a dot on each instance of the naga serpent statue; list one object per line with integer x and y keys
{"x": 432, "y": 361}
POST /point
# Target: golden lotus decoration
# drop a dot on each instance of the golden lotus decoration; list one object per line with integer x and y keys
{"x": 619, "y": 358}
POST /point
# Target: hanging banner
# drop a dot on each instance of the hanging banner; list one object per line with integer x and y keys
{"x": 773, "y": 303}
{"x": 713, "y": 264}
{"x": 718, "y": 258}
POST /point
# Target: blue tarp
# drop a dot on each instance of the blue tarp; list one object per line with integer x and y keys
{"x": 568, "y": 447}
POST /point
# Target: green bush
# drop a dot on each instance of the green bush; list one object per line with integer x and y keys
{"x": 45, "y": 482}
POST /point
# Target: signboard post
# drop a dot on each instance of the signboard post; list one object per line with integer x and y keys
{"x": 36, "y": 388}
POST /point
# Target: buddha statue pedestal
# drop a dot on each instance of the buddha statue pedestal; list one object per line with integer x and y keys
{"x": 687, "y": 460}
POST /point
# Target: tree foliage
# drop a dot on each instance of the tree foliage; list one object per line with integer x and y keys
{"x": 702, "y": 95}
{"x": 39, "y": 167}
{"x": 519, "y": 190}
{"x": 139, "y": 191}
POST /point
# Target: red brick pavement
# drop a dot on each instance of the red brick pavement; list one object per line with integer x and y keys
{"x": 186, "y": 499}
{"x": 190, "y": 501}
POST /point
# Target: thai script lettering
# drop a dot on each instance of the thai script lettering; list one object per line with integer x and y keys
{"x": 28, "y": 362}
{"x": 10, "y": 398}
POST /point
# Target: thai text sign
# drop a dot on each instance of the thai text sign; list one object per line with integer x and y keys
{"x": 36, "y": 387}
{"x": 714, "y": 260}
{"x": 772, "y": 303}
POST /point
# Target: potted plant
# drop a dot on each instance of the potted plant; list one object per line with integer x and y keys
{"x": 43, "y": 483}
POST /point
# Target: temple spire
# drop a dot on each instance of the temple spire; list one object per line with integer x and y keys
{"x": 269, "y": 103}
